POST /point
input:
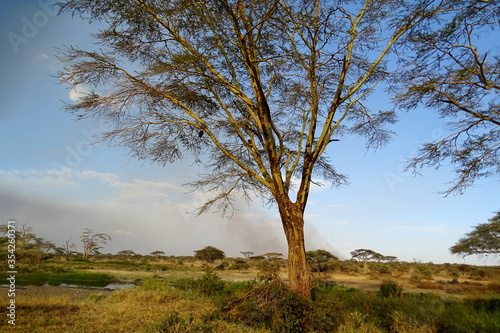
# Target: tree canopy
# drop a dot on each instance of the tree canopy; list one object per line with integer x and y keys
{"x": 209, "y": 253}
{"x": 484, "y": 239}
{"x": 366, "y": 255}
{"x": 92, "y": 242}
{"x": 253, "y": 90}
{"x": 457, "y": 71}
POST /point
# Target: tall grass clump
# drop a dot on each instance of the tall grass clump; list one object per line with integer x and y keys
{"x": 210, "y": 284}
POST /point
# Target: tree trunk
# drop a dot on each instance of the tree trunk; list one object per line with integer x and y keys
{"x": 299, "y": 273}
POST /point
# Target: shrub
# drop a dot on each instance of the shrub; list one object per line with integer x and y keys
{"x": 384, "y": 269}
{"x": 390, "y": 289}
{"x": 425, "y": 270}
{"x": 273, "y": 306}
{"x": 209, "y": 284}
{"x": 239, "y": 264}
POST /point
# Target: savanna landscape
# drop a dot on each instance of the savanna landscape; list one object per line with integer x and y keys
{"x": 160, "y": 293}
{"x": 268, "y": 99}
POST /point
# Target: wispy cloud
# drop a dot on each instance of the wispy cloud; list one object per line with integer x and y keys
{"x": 437, "y": 228}
{"x": 337, "y": 222}
{"x": 43, "y": 56}
{"x": 337, "y": 206}
{"x": 78, "y": 92}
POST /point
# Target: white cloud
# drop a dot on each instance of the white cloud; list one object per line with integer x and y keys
{"x": 337, "y": 205}
{"x": 337, "y": 222}
{"x": 37, "y": 178}
{"x": 109, "y": 178}
{"x": 438, "y": 228}
{"x": 42, "y": 56}
{"x": 78, "y": 92}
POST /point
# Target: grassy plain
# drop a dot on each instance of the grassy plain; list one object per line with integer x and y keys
{"x": 175, "y": 294}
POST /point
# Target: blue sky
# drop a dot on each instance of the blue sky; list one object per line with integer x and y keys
{"x": 51, "y": 176}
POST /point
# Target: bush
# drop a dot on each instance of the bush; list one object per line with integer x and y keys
{"x": 384, "y": 269}
{"x": 425, "y": 270}
{"x": 239, "y": 264}
{"x": 273, "y": 306}
{"x": 390, "y": 289}
{"x": 209, "y": 284}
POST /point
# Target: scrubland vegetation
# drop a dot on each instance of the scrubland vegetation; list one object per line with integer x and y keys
{"x": 184, "y": 294}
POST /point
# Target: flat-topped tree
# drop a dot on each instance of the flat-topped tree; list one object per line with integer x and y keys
{"x": 209, "y": 254}
{"x": 483, "y": 240}
{"x": 254, "y": 90}
{"x": 247, "y": 254}
{"x": 365, "y": 255}
{"x": 318, "y": 259}
{"x": 157, "y": 253}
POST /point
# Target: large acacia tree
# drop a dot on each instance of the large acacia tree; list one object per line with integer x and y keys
{"x": 254, "y": 90}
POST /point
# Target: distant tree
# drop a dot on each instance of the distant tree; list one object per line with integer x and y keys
{"x": 457, "y": 72}
{"x": 484, "y": 239}
{"x": 209, "y": 254}
{"x": 318, "y": 258}
{"x": 45, "y": 247}
{"x": 257, "y": 257}
{"x": 254, "y": 90}
{"x": 365, "y": 255}
{"x": 157, "y": 253}
{"x": 29, "y": 247}
{"x": 390, "y": 258}
{"x": 247, "y": 254}
{"x": 272, "y": 255}
{"x": 125, "y": 253}
{"x": 92, "y": 242}
{"x": 26, "y": 237}
{"x": 67, "y": 249}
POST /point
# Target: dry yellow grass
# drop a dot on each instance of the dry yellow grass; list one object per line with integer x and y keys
{"x": 131, "y": 310}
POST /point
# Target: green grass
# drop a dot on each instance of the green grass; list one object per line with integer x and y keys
{"x": 78, "y": 278}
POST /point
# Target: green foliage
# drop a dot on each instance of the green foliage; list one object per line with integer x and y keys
{"x": 319, "y": 259}
{"x": 390, "y": 289}
{"x": 70, "y": 278}
{"x": 366, "y": 255}
{"x": 425, "y": 270}
{"x": 239, "y": 264}
{"x": 92, "y": 242}
{"x": 209, "y": 284}
{"x": 209, "y": 254}
{"x": 457, "y": 74}
{"x": 483, "y": 240}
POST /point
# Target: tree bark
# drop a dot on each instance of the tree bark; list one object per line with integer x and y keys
{"x": 299, "y": 274}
